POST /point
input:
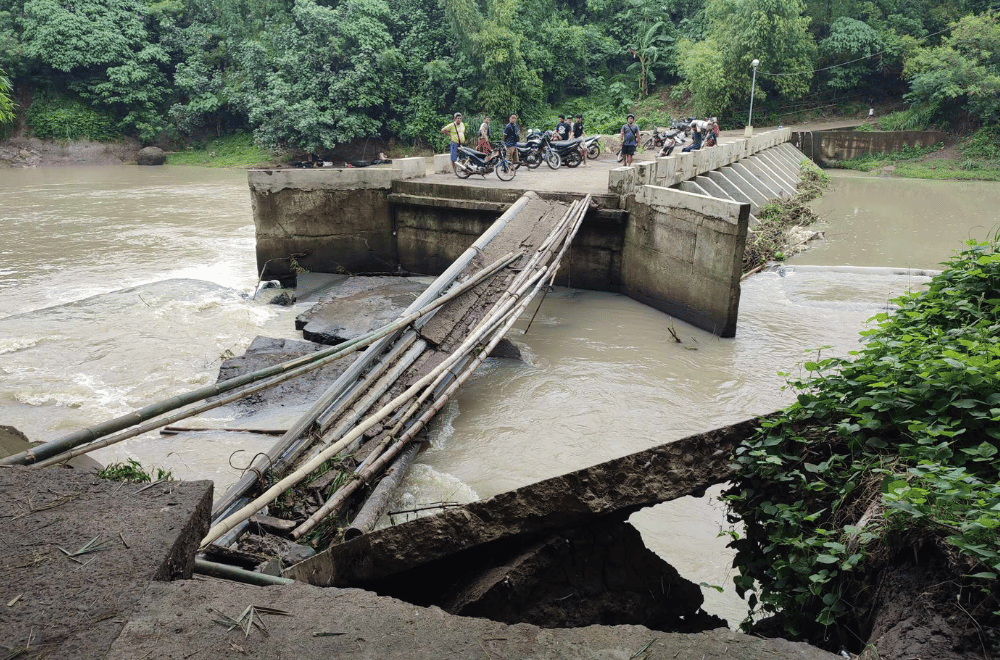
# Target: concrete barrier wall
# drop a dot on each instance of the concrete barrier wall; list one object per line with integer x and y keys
{"x": 825, "y": 148}
{"x": 683, "y": 255}
{"x": 336, "y": 219}
{"x": 671, "y": 170}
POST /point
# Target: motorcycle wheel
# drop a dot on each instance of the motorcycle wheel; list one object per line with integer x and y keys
{"x": 460, "y": 170}
{"x": 533, "y": 160}
{"x": 669, "y": 150}
{"x": 573, "y": 159}
{"x": 619, "y": 155}
{"x": 593, "y": 152}
{"x": 551, "y": 159}
{"x": 648, "y": 144}
{"x": 505, "y": 170}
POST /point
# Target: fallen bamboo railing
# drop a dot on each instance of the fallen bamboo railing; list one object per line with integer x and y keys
{"x": 230, "y": 521}
{"x": 289, "y": 447}
{"x": 372, "y": 510}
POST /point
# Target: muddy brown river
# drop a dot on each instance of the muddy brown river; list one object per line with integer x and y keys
{"x": 124, "y": 285}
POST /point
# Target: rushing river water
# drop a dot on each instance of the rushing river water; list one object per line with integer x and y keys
{"x": 122, "y": 285}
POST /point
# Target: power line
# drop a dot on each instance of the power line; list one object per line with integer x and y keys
{"x": 834, "y": 66}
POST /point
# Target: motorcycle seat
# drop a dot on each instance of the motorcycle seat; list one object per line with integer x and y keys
{"x": 473, "y": 152}
{"x": 567, "y": 143}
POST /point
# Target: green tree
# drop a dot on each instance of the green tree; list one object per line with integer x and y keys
{"x": 507, "y": 85}
{"x": 849, "y": 51}
{"x": 960, "y": 75}
{"x": 327, "y": 78}
{"x": 773, "y": 31}
{"x": 646, "y": 49}
{"x": 101, "y": 50}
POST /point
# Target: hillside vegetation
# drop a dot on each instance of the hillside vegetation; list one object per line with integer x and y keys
{"x": 314, "y": 74}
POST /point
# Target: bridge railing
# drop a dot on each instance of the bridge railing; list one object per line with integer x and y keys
{"x": 670, "y": 170}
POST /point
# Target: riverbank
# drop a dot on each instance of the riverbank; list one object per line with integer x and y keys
{"x": 974, "y": 157}
{"x": 96, "y": 569}
{"x": 31, "y": 152}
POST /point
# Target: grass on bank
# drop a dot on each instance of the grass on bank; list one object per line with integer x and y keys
{"x": 976, "y": 158}
{"x": 230, "y": 151}
{"x": 133, "y": 472}
{"x": 870, "y": 162}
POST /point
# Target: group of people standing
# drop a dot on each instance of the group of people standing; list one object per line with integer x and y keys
{"x": 704, "y": 132}
{"x": 455, "y": 130}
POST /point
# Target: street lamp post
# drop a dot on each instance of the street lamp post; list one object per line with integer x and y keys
{"x": 753, "y": 86}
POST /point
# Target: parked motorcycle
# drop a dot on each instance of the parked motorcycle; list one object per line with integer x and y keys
{"x": 531, "y": 150}
{"x": 566, "y": 151}
{"x": 594, "y": 147}
{"x": 655, "y": 140}
{"x": 472, "y": 162}
{"x": 673, "y": 139}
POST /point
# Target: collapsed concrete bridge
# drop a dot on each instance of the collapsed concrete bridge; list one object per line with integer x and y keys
{"x": 669, "y": 232}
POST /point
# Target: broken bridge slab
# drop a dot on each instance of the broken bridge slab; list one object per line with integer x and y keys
{"x": 79, "y": 552}
{"x": 178, "y": 621}
{"x": 619, "y": 487}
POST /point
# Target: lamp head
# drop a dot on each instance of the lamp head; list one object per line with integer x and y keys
{"x": 755, "y": 63}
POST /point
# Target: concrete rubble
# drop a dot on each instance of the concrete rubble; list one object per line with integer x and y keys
{"x": 135, "y": 597}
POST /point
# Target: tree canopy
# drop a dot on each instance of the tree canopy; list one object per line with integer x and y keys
{"x": 311, "y": 74}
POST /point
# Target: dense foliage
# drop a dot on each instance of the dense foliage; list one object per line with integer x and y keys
{"x": 896, "y": 444}
{"x": 312, "y": 74}
{"x": 6, "y": 103}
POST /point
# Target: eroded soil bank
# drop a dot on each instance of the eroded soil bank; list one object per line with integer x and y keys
{"x": 32, "y": 152}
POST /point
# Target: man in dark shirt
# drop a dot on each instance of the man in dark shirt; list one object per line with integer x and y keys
{"x": 630, "y": 138}
{"x": 578, "y": 134}
{"x": 510, "y": 139}
{"x": 562, "y": 128}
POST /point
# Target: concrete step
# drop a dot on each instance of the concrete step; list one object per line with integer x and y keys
{"x": 763, "y": 187}
{"x": 732, "y": 189}
{"x": 692, "y": 187}
{"x": 746, "y": 186}
{"x": 712, "y": 188}
{"x": 764, "y": 173}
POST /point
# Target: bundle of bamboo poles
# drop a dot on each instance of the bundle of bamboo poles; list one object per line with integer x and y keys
{"x": 405, "y": 415}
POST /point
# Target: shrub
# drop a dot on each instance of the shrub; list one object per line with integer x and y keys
{"x": 984, "y": 143}
{"x": 901, "y": 438}
{"x": 70, "y": 119}
{"x": 911, "y": 119}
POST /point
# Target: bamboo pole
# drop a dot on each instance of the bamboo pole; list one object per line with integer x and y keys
{"x": 289, "y": 446}
{"x": 227, "y": 572}
{"x": 331, "y": 355}
{"x": 378, "y": 502}
{"x": 222, "y": 526}
{"x": 350, "y": 417}
{"x": 340, "y": 497}
{"x": 174, "y": 430}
